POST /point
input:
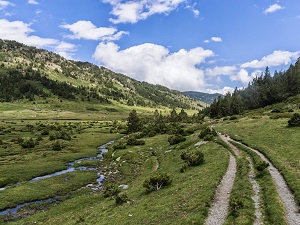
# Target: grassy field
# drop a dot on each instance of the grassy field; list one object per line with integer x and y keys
{"x": 186, "y": 200}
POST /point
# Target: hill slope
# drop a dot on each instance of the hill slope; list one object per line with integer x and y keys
{"x": 90, "y": 81}
{"x": 201, "y": 96}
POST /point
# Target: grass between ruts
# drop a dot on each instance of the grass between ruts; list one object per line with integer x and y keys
{"x": 185, "y": 201}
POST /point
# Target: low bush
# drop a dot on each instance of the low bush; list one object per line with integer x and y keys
{"x": 28, "y": 143}
{"x": 295, "y": 120}
{"x": 173, "y": 140}
{"x": 121, "y": 198}
{"x": 193, "y": 158}
{"x": 157, "y": 181}
{"x": 207, "y": 134}
{"x": 119, "y": 145}
{"x": 111, "y": 190}
{"x": 135, "y": 142}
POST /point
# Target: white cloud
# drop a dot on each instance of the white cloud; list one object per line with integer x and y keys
{"x": 87, "y": 30}
{"x": 21, "y": 32}
{"x": 4, "y": 4}
{"x": 216, "y": 39}
{"x": 222, "y": 91}
{"x": 135, "y": 10}
{"x": 277, "y": 58}
{"x": 221, "y": 70}
{"x": 242, "y": 76}
{"x": 273, "y": 8}
{"x": 33, "y": 2}
{"x": 155, "y": 64}
{"x": 65, "y": 49}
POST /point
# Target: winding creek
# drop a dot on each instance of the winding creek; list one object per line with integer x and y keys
{"x": 13, "y": 212}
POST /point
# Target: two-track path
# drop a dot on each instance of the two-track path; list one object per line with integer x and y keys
{"x": 291, "y": 209}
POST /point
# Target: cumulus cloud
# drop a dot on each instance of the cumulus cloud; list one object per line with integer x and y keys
{"x": 155, "y": 64}
{"x": 87, "y": 30}
{"x": 277, "y": 58}
{"x": 216, "y": 39}
{"x": 273, "y": 8}
{"x": 221, "y": 70}
{"x": 4, "y": 4}
{"x": 242, "y": 76}
{"x": 222, "y": 91}
{"x": 66, "y": 49}
{"x": 21, "y": 32}
{"x": 33, "y": 2}
{"x": 135, "y": 10}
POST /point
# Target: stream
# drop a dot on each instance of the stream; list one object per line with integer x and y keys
{"x": 13, "y": 212}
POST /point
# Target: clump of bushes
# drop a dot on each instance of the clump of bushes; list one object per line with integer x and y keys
{"x": 260, "y": 167}
{"x": 135, "y": 142}
{"x": 193, "y": 158}
{"x": 119, "y": 145}
{"x": 173, "y": 140}
{"x": 121, "y": 198}
{"x": 295, "y": 120}
{"x": 28, "y": 143}
{"x": 207, "y": 134}
{"x": 111, "y": 190}
{"x": 157, "y": 181}
{"x": 57, "y": 146}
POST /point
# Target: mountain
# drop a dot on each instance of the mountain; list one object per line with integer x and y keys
{"x": 30, "y": 73}
{"x": 201, "y": 96}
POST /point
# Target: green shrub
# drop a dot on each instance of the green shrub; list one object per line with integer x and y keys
{"x": 56, "y": 146}
{"x": 295, "y": 120}
{"x": 234, "y": 205}
{"x": 119, "y": 145}
{"x": 207, "y": 134}
{"x": 121, "y": 198}
{"x": 193, "y": 158}
{"x": 135, "y": 142}
{"x": 28, "y": 143}
{"x": 157, "y": 181}
{"x": 176, "y": 139}
{"x": 261, "y": 166}
{"x": 111, "y": 190}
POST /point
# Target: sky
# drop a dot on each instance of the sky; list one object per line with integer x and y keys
{"x": 187, "y": 45}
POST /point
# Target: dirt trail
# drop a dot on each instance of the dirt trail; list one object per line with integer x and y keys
{"x": 227, "y": 139}
{"x": 286, "y": 196}
{"x": 219, "y": 209}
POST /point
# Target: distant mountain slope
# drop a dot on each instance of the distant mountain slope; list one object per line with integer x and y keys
{"x": 200, "y": 96}
{"x": 92, "y": 82}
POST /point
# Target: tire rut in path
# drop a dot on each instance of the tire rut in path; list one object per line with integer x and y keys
{"x": 219, "y": 209}
{"x": 286, "y": 196}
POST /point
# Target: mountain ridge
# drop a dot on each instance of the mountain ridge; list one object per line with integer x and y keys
{"x": 96, "y": 80}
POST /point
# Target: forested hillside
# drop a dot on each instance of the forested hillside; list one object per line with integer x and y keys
{"x": 40, "y": 73}
{"x": 262, "y": 91}
{"x": 201, "y": 96}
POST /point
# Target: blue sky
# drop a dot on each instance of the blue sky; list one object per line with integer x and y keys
{"x": 204, "y": 45}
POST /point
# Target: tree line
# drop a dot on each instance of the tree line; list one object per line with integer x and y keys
{"x": 28, "y": 84}
{"x": 262, "y": 91}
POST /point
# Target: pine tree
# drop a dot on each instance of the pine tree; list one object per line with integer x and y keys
{"x": 133, "y": 122}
